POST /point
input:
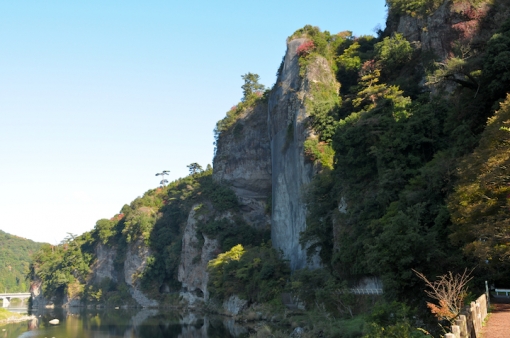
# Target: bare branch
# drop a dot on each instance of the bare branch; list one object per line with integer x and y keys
{"x": 449, "y": 290}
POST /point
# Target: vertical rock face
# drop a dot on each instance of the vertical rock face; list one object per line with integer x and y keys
{"x": 136, "y": 260}
{"x": 434, "y": 32}
{"x": 288, "y": 129}
{"x": 452, "y": 22}
{"x": 243, "y": 161}
{"x": 194, "y": 258}
{"x": 38, "y": 299}
{"x": 103, "y": 267}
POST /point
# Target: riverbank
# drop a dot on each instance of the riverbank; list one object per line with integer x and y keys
{"x": 7, "y": 317}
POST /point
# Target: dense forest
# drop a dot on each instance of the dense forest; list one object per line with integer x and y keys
{"x": 411, "y": 151}
{"x": 15, "y": 258}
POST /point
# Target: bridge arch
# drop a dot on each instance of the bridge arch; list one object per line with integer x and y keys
{"x": 6, "y": 297}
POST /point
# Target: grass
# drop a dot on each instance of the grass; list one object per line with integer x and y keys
{"x": 5, "y": 315}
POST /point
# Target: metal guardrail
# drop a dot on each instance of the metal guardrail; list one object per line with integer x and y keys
{"x": 358, "y": 291}
{"x": 15, "y": 295}
{"x": 506, "y": 292}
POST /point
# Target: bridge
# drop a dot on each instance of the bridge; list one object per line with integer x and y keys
{"x": 8, "y": 296}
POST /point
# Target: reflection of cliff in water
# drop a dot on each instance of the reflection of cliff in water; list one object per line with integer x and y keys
{"x": 145, "y": 323}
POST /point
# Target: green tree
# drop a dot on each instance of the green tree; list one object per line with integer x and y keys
{"x": 194, "y": 168}
{"x": 496, "y": 68}
{"x": 480, "y": 205}
{"x": 393, "y": 52}
{"x": 251, "y": 85}
{"x": 105, "y": 229}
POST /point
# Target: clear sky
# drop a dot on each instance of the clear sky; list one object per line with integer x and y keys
{"x": 98, "y": 96}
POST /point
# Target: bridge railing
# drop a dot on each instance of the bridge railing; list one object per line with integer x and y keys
{"x": 359, "y": 291}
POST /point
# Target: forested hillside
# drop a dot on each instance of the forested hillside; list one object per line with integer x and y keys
{"x": 15, "y": 258}
{"x": 401, "y": 140}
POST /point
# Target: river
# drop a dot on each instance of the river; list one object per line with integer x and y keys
{"x": 125, "y": 323}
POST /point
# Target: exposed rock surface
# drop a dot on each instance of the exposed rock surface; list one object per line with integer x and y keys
{"x": 288, "y": 129}
{"x": 243, "y": 161}
{"x": 136, "y": 260}
{"x": 38, "y": 299}
{"x": 433, "y": 32}
{"x": 441, "y": 31}
{"x": 194, "y": 258}
{"x": 103, "y": 267}
{"x": 234, "y": 305}
{"x": 73, "y": 302}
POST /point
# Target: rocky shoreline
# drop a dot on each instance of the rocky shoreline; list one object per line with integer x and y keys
{"x": 16, "y": 319}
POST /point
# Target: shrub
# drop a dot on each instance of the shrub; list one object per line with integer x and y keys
{"x": 257, "y": 274}
{"x": 393, "y": 52}
{"x": 321, "y": 152}
{"x": 305, "y": 48}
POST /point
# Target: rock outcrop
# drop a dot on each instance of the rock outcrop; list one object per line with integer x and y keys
{"x": 291, "y": 172}
{"x": 450, "y": 24}
{"x": 234, "y": 305}
{"x": 103, "y": 267}
{"x": 243, "y": 161}
{"x": 37, "y": 298}
{"x": 194, "y": 259}
{"x": 135, "y": 263}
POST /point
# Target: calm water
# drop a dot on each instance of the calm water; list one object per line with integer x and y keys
{"x": 146, "y": 323}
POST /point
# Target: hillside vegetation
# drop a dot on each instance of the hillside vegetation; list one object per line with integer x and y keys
{"x": 15, "y": 258}
{"x": 411, "y": 152}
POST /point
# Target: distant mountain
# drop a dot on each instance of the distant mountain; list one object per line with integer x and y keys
{"x": 14, "y": 262}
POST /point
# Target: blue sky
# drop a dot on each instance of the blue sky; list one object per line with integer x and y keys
{"x": 98, "y": 96}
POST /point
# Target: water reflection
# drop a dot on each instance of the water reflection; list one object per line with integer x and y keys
{"x": 122, "y": 323}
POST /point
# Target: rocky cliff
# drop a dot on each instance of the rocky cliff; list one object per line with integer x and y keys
{"x": 289, "y": 127}
{"x": 243, "y": 161}
{"x": 452, "y": 25}
{"x": 134, "y": 264}
{"x": 195, "y": 256}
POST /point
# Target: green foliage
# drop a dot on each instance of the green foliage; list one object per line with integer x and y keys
{"x": 321, "y": 152}
{"x": 496, "y": 71}
{"x": 392, "y": 319}
{"x": 480, "y": 205}
{"x": 251, "y": 85}
{"x": 257, "y": 274}
{"x": 325, "y": 43}
{"x": 320, "y": 200}
{"x": 393, "y": 52}
{"x": 166, "y": 235}
{"x": 352, "y": 53}
{"x": 157, "y": 218}
{"x": 194, "y": 168}
{"x": 139, "y": 223}
{"x": 230, "y": 233}
{"x": 383, "y": 203}
{"x": 61, "y": 266}
{"x": 318, "y": 288}
{"x": 401, "y": 329}
{"x": 254, "y": 93}
{"x": 413, "y": 7}
{"x": 15, "y": 255}
{"x": 322, "y": 107}
{"x": 105, "y": 229}
{"x": 6, "y": 314}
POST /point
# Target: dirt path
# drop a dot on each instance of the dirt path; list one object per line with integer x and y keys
{"x": 498, "y": 325}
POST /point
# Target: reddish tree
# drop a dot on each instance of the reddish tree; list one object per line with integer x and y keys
{"x": 305, "y": 48}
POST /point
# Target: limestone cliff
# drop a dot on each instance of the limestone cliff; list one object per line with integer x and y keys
{"x": 243, "y": 161}
{"x": 291, "y": 172}
{"x": 136, "y": 260}
{"x": 134, "y": 264}
{"x": 450, "y": 26}
{"x": 194, "y": 258}
{"x": 104, "y": 265}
